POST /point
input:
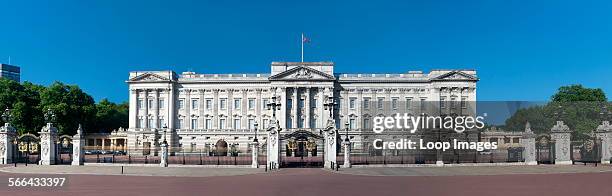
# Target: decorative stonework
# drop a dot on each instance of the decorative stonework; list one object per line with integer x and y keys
{"x": 604, "y": 133}
{"x": 48, "y": 136}
{"x": 78, "y": 142}
{"x": 7, "y": 136}
{"x": 528, "y": 143}
{"x": 561, "y": 134}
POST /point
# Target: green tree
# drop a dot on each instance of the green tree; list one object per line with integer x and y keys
{"x": 577, "y": 106}
{"x": 110, "y": 116}
{"x": 71, "y": 105}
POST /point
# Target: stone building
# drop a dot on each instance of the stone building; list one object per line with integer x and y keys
{"x": 196, "y": 112}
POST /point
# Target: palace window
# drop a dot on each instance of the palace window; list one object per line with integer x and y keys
{"x": 208, "y": 123}
{"x": 181, "y": 123}
{"x": 181, "y": 104}
{"x": 289, "y": 123}
{"x": 366, "y": 123}
{"x": 237, "y": 124}
{"x": 140, "y": 123}
{"x": 251, "y": 104}
{"x": 408, "y": 104}
{"x": 265, "y": 104}
{"x": 313, "y": 122}
{"x": 150, "y": 103}
{"x": 506, "y": 140}
{"x": 453, "y": 100}
{"x": 351, "y": 123}
{"x": 394, "y": 103}
{"x": 251, "y": 124}
{"x": 195, "y": 104}
{"x": 380, "y": 103}
{"x": 366, "y": 103}
{"x": 209, "y": 104}
{"x": 314, "y": 103}
{"x": 493, "y": 139}
{"x": 222, "y": 103}
{"x": 352, "y": 102}
{"x": 194, "y": 123}
{"x": 289, "y": 103}
{"x": 463, "y": 102}
{"x": 150, "y": 123}
{"x": 161, "y": 103}
{"x": 423, "y": 105}
{"x": 442, "y": 102}
{"x": 237, "y": 103}
{"x": 515, "y": 140}
{"x": 221, "y": 123}
{"x": 301, "y": 104}
{"x": 140, "y": 104}
{"x": 161, "y": 123}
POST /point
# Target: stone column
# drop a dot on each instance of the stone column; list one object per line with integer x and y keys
{"x": 133, "y": 111}
{"x": 48, "y": 136}
{"x": 294, "y": 108}
{"x": 78, "y": 141}
{"x": 164, "y": 154}
{"x": 307, "y": 116}
{"x": 561, "y": 134}
{"x": 347, "y": 153}
{"x": 7, "y": 136}
{"x": 528, "y": 143}
{"x": 255, "y": 154}
{"x": 273, "y": 145}
{"x": 604, "y": 134}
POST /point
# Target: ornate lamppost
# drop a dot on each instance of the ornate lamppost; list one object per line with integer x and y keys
{"x": 273, "y": 106}
{"x": 331, "y": 106}
{"x": 6, "y": 116}
{"x": 50, "y": 116}
{"x": 256, "y": 125}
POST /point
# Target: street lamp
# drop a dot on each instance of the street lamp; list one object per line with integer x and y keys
{"x": 165, "y": 127}
{"x": 255, "y": 125}
{"x": 273, "y": 106}
{"x": 330, "y": 105}
{"x": 50, "y": 116}
{"x": 6, "y": 116}
{"x": 346, "y": 139}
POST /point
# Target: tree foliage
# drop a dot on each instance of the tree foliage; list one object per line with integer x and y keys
{"x": 580, "y": 108}
{"x": 72, "y": 106}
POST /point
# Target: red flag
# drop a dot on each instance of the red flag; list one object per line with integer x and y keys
{"x": 305, "y": 39}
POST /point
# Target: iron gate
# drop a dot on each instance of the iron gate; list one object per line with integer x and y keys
{"x": 64, "y": 150}
{"x": 301, "y": 148}
{"x": 586, "y": 150}
{"x": 28, "y": 149}
{"x": 545, "y": 150}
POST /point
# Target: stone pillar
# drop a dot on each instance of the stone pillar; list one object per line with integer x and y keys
{"x": 307, "y": 115}
{"x": 164, "y": 154}
{"x": 294, "y": 108}
{"x": 78, "y": 141}
{"x": 273, "y": 145}
{"x": 330, "y": 143}
{"x": 604, "y": 134}
{"x": 255, "y": 153}
{"x": 48, "y": 136}
{"x": 528, "y": 143}
{"x": 561, "y": 134}
{"x": 347, "y": 153}
{"x": 7, "y": 136}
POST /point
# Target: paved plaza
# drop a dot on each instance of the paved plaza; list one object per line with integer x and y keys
{"x": 457, "y": 181}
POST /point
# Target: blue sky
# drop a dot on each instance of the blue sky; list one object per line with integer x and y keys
{"x": 522, "y": 50}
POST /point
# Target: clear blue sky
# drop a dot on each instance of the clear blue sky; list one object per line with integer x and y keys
{"x": 522, "y": 50}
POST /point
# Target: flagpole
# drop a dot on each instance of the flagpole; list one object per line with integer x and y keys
{"x": 302, "y": 47}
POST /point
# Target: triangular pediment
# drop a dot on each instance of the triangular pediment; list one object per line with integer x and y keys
{"x": 302, "y": 73}
{"x": 148, "y": 77}
{"x": 456, "y": 76}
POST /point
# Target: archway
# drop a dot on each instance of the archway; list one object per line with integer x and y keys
{"x": 302, "y": 148}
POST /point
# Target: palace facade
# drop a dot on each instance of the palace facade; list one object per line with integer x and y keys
{"x": 195, "y": 111}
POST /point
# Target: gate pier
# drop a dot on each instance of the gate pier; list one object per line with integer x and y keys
{"x": 7, "y": 137}
{"x": 561, "y": 134}
{"x": 604, "y": 134}
{"x": 528, "y": 142}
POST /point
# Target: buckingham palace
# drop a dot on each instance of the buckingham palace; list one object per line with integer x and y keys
{"x": 207, "y": 110}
